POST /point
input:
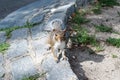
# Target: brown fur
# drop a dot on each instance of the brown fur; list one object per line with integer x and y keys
{"x": 54, "y": 37}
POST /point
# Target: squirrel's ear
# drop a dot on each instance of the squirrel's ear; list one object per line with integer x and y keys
{"x": 65, "y": 30}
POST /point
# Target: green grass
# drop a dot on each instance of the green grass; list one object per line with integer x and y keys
{"x": 83, "y": 12}
{"x": 114, "y": 56}
{"x": 97, "y": 9}
{"x": 31, "y": 77}
{"x": 99, "y": 48}
{"x": 34, "y": 77}
{"x": 102, "y": 3}
{"x": 109, "y": 3}
{"x": 114, "y": 41}
{"x": 82, "y": 37}
{"x": 103, "y": 28}
{"x": 9, "y": 30}
{"x": 79, "y": 18}
{"x": 4, "y": 47}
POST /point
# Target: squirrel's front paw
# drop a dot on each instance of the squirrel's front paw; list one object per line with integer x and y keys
{"x": 49, "y": 48}
{"x": 64, "y": 58}
{"x": 56, "y": 60}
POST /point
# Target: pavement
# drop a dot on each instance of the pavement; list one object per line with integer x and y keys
{"x": 8, "y": 6}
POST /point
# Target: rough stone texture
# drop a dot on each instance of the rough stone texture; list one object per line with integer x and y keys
{"x": 17, "y": 48}
{"x": 57, "y": 71}
{"x": 2, "y": 72}
{"x": 1, "y": 59}
{"x": 40, "y": 50}
{"x": 22, "y": 15}
{"x": 37, "y": 32}
{"x": 18, "y": 43}
{"x": 37, "y": 18}
{"x": 23, "y": 68}
{"x": 19, "y": 34}
{"x": 2, "y": 37}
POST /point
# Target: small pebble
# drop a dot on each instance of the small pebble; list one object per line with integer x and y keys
{"x": 73, "y": 57}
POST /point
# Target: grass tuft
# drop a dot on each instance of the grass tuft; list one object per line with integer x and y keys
{"x": 103, "y": 28}
{"x": 34, "y": 77}
{"x": 9, "y": 30}
{"x": 109, "y": 3}
{"x": 99, "y": 48}
{"x": 97, "y": 9}
{"x": 79, "y": 18}
{"x": 82, "y": 37}
{"x": 4, "y": 47}
{"x": 114, "y": 56}
{"x": 114, "y": 41}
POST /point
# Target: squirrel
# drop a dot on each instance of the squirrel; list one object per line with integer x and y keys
{"x": 57, "y": 40}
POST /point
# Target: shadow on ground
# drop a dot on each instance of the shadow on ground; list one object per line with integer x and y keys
{"x": 8, "y": 6}
{"x": 78, "y": 55}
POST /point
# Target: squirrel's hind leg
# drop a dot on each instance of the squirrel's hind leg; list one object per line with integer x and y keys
{"x": 63, "y": 55}
{"x": 54, "y": 54}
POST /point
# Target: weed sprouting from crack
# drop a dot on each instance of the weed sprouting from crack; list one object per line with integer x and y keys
{"x": 10, "y": 29}
{"x": 114, "y": 41}
{"x": 34, "y": 77}
{"x": 4, "y": 47}
{"x": 114, "y": 56}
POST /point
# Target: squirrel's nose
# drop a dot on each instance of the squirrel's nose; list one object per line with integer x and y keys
{"x": 61, "y": 39}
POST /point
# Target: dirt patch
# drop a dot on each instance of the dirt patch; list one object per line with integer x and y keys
{"x": 88, "y": 64}
{"x": 81, "y": 55}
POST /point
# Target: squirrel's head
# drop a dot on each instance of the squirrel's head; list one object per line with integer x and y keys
{"x": 59, "y": 35}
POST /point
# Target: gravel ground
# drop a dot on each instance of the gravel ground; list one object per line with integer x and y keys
{"x": 99, "y": 65}
{"x": 8, "y": 6}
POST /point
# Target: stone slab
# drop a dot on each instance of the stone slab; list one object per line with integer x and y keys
{"x": 1, "y": 59}
{"x": 41, "y": 50}
{"x": 37, "y": 32}
{"x": 23, "y": 67}
{"x": 19, "y": 34}
{"x": 2, "y": 37}
{"x": 58, "y": 71}
{"x": 17, "y": 48}
{"x": 2, "y": 71}
{"x": 22, "y": 15}
{"x": 37, "y": 18}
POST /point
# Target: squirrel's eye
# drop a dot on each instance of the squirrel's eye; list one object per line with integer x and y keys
{"x": 55, "y": 34}
{"x": 64, "y": 35}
